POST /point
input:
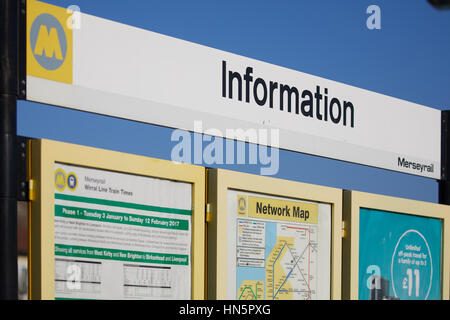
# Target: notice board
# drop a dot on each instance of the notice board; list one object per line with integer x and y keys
{"x": 395, "y": 249}
{"x": 272, "y": 239}
{"x": 109, "y": 225}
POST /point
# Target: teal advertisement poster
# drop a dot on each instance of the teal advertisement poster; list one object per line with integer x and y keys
{"x": 399, "y": 256}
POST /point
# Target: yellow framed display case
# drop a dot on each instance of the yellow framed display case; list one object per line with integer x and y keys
{"x": 395, "y": 248}
{"x": 272, "y": 239}
{"x": 79, "y": 191}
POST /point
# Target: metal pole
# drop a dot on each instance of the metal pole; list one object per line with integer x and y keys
{"x": 444, "y": 183}
{"x": 9, "y": 92}
{"x": 440, "y": 4}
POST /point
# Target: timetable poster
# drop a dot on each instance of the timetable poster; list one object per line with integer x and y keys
{"x": 399, "y": 256}
{"x": 121, "y": 236}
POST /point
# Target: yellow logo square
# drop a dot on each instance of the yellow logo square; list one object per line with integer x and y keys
{"x": 49, "y": 42}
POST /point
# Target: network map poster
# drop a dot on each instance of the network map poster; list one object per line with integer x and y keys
{"x": 273, "y": 239}
{"x": 280, "y": 249}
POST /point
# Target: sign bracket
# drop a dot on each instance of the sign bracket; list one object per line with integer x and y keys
{"x": 444, "y": 182}
{"x": 22, "y": 169}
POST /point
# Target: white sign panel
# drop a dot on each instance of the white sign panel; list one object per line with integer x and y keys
{"x": 118, "y": 70}
{"x": 121, "y": 236}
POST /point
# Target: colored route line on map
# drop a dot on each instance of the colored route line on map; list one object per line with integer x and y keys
{"x": 251, "y": 290}
{"x": 285, "y": 245}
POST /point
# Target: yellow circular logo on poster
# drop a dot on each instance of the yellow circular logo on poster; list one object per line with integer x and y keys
{"x": 60, "y": 180}
{"x": 242, "y": 205}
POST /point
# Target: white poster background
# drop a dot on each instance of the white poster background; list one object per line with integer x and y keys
{"x": 110, "y": 275}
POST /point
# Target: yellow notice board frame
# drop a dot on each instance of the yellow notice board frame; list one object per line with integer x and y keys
{"x": 44, "y": 155}
{"x": 220, "y": 181}
{"x": 354, "y": 200}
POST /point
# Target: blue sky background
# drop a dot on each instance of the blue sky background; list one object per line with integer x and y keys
{"x": 409, "y": 58}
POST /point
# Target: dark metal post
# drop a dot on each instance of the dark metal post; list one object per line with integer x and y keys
{"x": 9, "y": 93}
{"x": 440, "y": 4}
{"x": 444, "y": 183}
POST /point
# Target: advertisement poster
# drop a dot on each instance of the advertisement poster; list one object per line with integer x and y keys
{"x": 399, "y": 256}
{"x": 121, "y": 236}
{"x": 278, "y": 248}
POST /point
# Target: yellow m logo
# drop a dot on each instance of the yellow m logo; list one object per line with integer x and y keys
{"x": 48, "y": 42}
{"x": 60, "y": 180}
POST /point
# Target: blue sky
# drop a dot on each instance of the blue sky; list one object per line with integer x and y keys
{"x": 408, "y": 58}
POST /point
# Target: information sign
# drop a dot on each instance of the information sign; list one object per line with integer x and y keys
{"x": 105, "y": 67}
